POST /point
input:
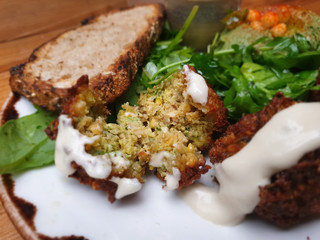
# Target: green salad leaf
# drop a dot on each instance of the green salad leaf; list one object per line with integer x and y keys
{"x": 167, "y": 56}
{"x": 287, "y": 53}
{"x": 24, "y": 143}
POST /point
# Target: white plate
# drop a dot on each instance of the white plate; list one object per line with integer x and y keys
{"x": 65, "y": 208}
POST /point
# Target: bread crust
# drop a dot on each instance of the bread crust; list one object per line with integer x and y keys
{"x": 106, "y": 86}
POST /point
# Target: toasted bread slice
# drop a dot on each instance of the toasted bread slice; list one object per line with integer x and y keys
{"x": 108, "y": 49}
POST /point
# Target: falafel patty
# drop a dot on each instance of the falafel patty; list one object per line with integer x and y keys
{"x": 292, "y": 194}
{"x": 164, "y": 133}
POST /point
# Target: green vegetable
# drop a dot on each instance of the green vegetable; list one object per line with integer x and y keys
{"x": 24, "y": 143}
{"x": 286, "y": 53}
{"x": 247, "y": 77}
{"x": 167, "y": 56}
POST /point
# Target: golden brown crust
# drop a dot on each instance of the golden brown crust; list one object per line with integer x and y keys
{"x": 109, "y": 86}
{"x": 126, "y": 66}
{"x": 39, "y": 92}
{"x": 189, "y": 174}
{"x": 193, "y": 173}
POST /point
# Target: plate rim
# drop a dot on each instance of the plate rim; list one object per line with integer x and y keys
{"x": 21, "y": 225}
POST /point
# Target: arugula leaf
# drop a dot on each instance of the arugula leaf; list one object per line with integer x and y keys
{"x": 247, "y": 77}
{"x": 210, "y": 70}
{"x": 287, "y": 53}
{"x": 167, "y": 56}
{"x": 238, "y": 99}
{"x": 270, "y": 81}
{"x": 25, "y": 144}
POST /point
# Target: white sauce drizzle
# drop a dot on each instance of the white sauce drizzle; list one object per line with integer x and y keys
{"x": 172, "y": 181}
{"x": 126, "y": 186}
{"x": 119, "y": 160}
{"x": 277, "y": 146}
{"x": 197, "y": 87}
{"x": 70, "y": 146}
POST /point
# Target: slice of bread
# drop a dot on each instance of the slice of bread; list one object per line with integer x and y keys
{"x": 108, "y": 49}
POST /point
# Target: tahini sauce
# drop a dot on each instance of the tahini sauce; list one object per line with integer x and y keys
{"x": 277, "y": 146}
{"x": 70, "y": 146}
{"x": 197, "y": 87}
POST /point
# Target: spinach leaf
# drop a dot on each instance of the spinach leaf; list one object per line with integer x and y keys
{"x": 25, "y": 144}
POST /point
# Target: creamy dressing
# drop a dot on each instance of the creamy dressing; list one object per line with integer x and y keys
{"x": 70, "y": 146}
{"x": 277, "y": 146}
{"x": 119, "y": 160}
{"x": 172, "y": 181}
{"x": 197, "y": 87}
{"x": 126, "y": 186}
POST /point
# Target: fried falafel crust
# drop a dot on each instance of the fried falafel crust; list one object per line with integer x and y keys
{"x": 293, "y": 194}
{"x": 104, "y": 185}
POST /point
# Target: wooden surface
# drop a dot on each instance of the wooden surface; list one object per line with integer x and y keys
{"x": 26, "y": 24}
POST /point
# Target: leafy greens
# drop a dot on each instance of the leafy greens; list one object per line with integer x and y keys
{"x": 247, "y": 77}
{"x": 24, "y": 143}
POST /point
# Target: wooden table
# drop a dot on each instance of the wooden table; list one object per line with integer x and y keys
{"x": 23, "y": 27}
